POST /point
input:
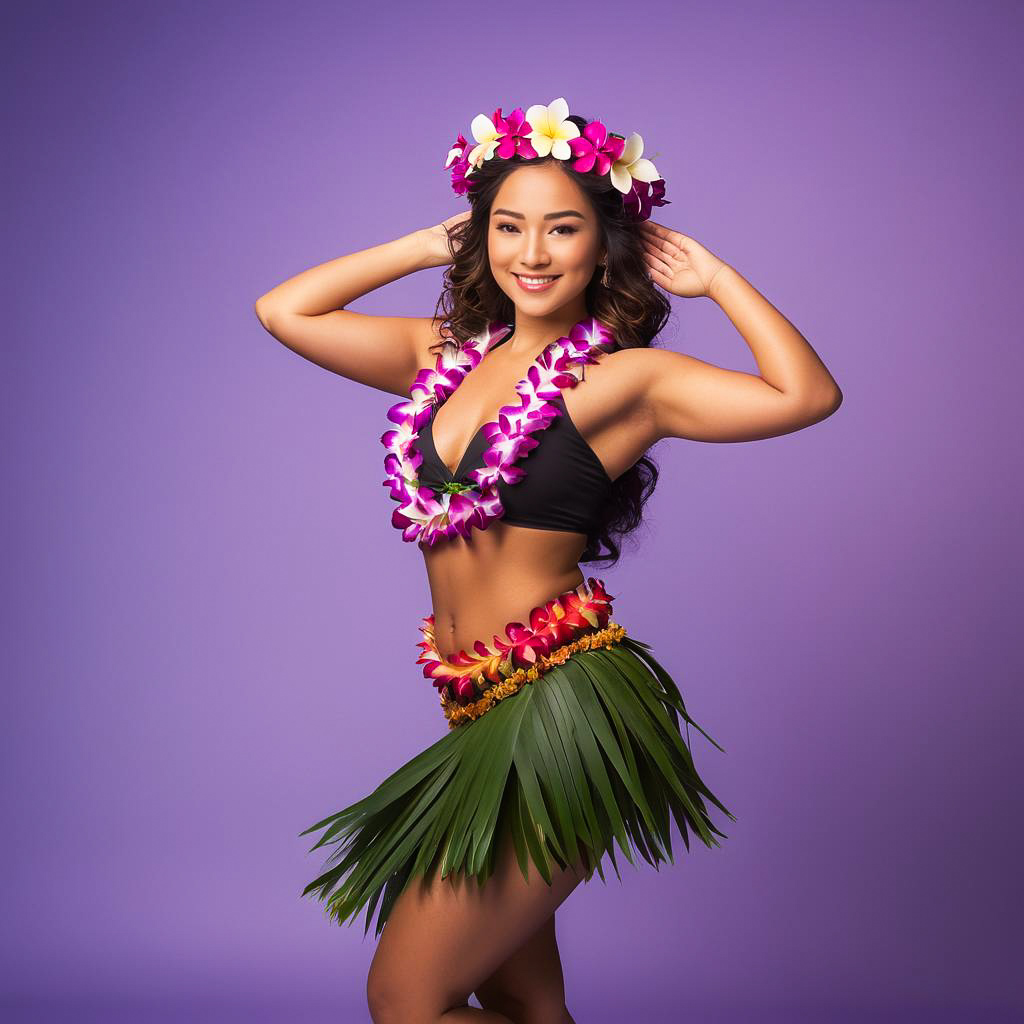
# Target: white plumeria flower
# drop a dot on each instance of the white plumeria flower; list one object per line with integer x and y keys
{"x": 631, "y": 165}
{"x": 551, "y": 131}
{"x": 487, "y": 136}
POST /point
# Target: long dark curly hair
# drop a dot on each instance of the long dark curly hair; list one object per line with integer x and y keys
{"x": 629, "y": 306}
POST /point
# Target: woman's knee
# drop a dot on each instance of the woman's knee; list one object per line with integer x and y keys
{"x": 395, "y": 997}
{"x": 384, "y": 998}
{"x": 404, "y": 984}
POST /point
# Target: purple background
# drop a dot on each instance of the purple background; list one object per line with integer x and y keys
{"x": 210, "y": 624}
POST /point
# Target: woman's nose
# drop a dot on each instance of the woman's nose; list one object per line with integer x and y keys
{"x": 534, "y": 250}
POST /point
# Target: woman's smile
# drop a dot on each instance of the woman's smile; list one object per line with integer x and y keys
{"x": 536, "y": 284}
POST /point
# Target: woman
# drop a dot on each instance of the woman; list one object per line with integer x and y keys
{"x": 517, "y": 453}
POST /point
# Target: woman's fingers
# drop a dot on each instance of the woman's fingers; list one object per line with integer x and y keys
{"x": 657, "y": 258}
{"x": 664, "y": 235}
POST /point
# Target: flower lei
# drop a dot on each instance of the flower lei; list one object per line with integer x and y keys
{"x": 546, "y": 131}
{"x": 524, "y": 653}
{"x": 455, "y": 510}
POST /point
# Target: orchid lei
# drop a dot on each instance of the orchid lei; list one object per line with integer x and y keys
{"x": 455, "y": 510}
{"x": 546, "y": 131}
{"x": 565, "y": 618}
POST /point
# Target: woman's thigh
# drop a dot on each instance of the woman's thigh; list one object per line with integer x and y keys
{"x": 444, "y": 938}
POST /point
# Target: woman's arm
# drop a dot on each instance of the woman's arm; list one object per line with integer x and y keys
{"x": 306, "y": 314}
{"x": 689, "y": 398}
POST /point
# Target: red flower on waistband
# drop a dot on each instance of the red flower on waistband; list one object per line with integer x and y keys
{"x": 556, "y": 622}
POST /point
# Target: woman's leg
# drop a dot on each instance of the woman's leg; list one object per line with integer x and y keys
{"x": 529, "y": 985}
{"x": 443, "y": 940}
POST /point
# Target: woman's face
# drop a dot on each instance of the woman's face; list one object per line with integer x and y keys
{"x": 542, "y": 225}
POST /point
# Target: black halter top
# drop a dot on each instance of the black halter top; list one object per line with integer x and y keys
{"x": 566, "y": 486}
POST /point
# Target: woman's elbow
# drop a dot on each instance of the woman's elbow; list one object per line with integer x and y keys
{"x": 262, "y": 310}
{"x": 827, "y": 402}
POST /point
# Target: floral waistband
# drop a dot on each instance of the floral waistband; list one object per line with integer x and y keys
{"x": 470, "y": 684}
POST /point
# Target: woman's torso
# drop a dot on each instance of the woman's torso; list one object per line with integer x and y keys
{"x": 493, "y": 576}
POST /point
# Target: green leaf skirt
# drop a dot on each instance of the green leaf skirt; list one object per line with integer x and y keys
{"x": 587, "y": 756}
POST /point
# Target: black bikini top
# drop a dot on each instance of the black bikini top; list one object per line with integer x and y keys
{"x": 566, "y": 486}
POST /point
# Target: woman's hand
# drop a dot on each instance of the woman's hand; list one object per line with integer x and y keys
{"x": 680, "y": 264}
{"x": 436, "y": 240}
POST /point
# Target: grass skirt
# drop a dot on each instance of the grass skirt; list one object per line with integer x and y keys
{"x": 588, "y": 755}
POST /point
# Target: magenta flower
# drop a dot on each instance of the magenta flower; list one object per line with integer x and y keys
{"x": 644, "y": 195}
{"x": 517, "y": 135}
{"x": 458, "y": 151}
{"x": 596, "y": 146}
{"x": 458, "y": 161}
{"x": 460, "y": 183}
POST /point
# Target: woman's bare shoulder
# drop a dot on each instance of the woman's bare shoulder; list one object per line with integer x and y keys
{"x": 611, "y": 390}
{"x": 625, "y": 373}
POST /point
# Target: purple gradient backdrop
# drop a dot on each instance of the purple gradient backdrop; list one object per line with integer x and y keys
{"x": 209, "y": 614}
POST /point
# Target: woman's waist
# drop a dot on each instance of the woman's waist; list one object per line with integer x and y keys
{"x": 478, "y": 586}
{"x": 467, "y": 609}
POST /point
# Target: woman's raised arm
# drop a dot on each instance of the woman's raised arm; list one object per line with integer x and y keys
{"x": 687, "y": 397}
{"x": 306, "y": 312}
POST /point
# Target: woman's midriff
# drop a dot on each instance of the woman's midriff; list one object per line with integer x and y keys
{"x": 496, "y": 576}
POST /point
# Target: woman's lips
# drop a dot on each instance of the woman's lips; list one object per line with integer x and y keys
{"x": 537, "y": 287}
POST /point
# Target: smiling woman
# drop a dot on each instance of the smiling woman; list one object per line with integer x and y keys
{"x": 516, "y": 453}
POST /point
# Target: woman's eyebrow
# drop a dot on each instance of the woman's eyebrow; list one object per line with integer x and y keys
{"x": 547, "y": 216}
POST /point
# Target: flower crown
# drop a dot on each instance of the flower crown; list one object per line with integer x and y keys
{"x": 546, "y": 131}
